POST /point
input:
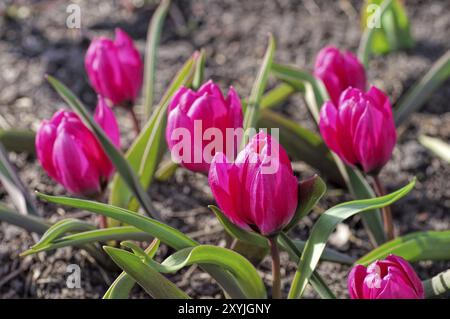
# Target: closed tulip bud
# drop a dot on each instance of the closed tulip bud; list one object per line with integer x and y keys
{"x": 391, "y": 278}
{"x": 338, "y": 71}
{"x": 258, "y": 191}
{"x": 70, "y": 153}
{"x": 114, "y": 68}
{"x": 198, "y": 122}
{"x": 360, "y": 129}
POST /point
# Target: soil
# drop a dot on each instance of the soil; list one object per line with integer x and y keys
{"x": 35, "y": 41}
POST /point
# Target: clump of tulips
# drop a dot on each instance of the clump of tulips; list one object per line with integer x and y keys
{"x": 258, "y": 195}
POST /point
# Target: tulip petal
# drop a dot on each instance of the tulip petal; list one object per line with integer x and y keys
{"x": 75, "y": 171}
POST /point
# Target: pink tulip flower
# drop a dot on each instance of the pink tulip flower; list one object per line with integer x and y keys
{"x": 338, "y": 71}
{"x": 360, "y": 129}
{"x": 114, "y": 68}
{"x": 258, "y": 191}
{"x": 195, "y": 119}
{"x": 391, "y": 278}
{"x": 70, "y": 153}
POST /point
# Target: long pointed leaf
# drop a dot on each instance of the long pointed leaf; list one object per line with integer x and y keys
{"x": 151, "y": 53}
{"x": 422, "y": 89}
{"x": 252, "y": 110}
{"x": 88, "y": 237}
{"x": 437, "y": 146}
{"x": 121, "y": 287}
{"x": 155, "y": 284}
{"x": 28, "y": 222}
{"x": 323, "y": 228}
{"x": 14, "y": 186}
{"x": 166, "y": 234}
{"x": 241, "y": 268}
{"x": 430, "y": 245}
{"x": 258, "y": 240}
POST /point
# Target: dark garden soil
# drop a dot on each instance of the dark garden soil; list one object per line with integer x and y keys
{"x": 35, "y": 41}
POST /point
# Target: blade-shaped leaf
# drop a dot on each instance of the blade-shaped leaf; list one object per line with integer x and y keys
{"x": 258, "y": 240}
{"x": 120, "y": 163}
{"x": 28, "y": 222}
{"x": 143, "y": 156}
{"x": 62, "y": 227}
{"x": 14, "y": 186}
{"x": 360, "y": 188}
{"x": 155, "y": 284}
{"x": 323, "y": 228}
{"x": 294, "y": 252}
{"x": 315, "y": 92}
{"x": 430, "y": 245}
{"x": 276, "y": 96}
{"x": 310, "y": 191}
{"x": 88, "y": 237}
{"x": 199, "y": 74}
{"x": 151, "y": 54}
{"x": 241, "y": 268}
{"x": 121, "y": 287}
{"x": 422, "y": 89}
{"x": 437, "y": 146}
{"x": 15, "y": 140}
{"x": 252, "y": 110}
{"x": 165, "y": 233}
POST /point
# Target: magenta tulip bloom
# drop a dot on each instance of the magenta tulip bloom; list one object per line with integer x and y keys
{"x": 198, "y": 123}
{"x": 391, "y": 278}
{"x": 360, "y": 129}
{"x": 338, "y": 71}
{"x": 258, "y": 191}
{"x": 70, "y": 153}
{"x": 115, "y": 68}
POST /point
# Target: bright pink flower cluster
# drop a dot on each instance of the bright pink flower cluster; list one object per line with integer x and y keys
{"x": 115, "y": 68}
{"x": 70, "y": 153}
{"x": 391, "y": 278}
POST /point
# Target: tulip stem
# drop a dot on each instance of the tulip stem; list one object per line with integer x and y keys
{"x": 386, "y": 211}
{"x": 276, "y": 281}
{"x": 134, "y": 118}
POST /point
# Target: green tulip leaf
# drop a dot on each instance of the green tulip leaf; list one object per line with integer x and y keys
{"x": 325, "y": 225}
{"x": 241, "y": 268}
{"x": 429, "y": 245}
{"x": 437, "y": 146}
{"x": 259, "y": 241}
{"x": 14, "y": 186}
{"x": 252, "y": 110}
{"x": 420, "y": 92}
{"x": 165, "y": 233}
{"x": 19, "y": 141}
{"x": 310, "y": 191}
{"x": 121, "y": 287}
{"x": 151, "y": 54}
{"x": 155, "y": 284}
